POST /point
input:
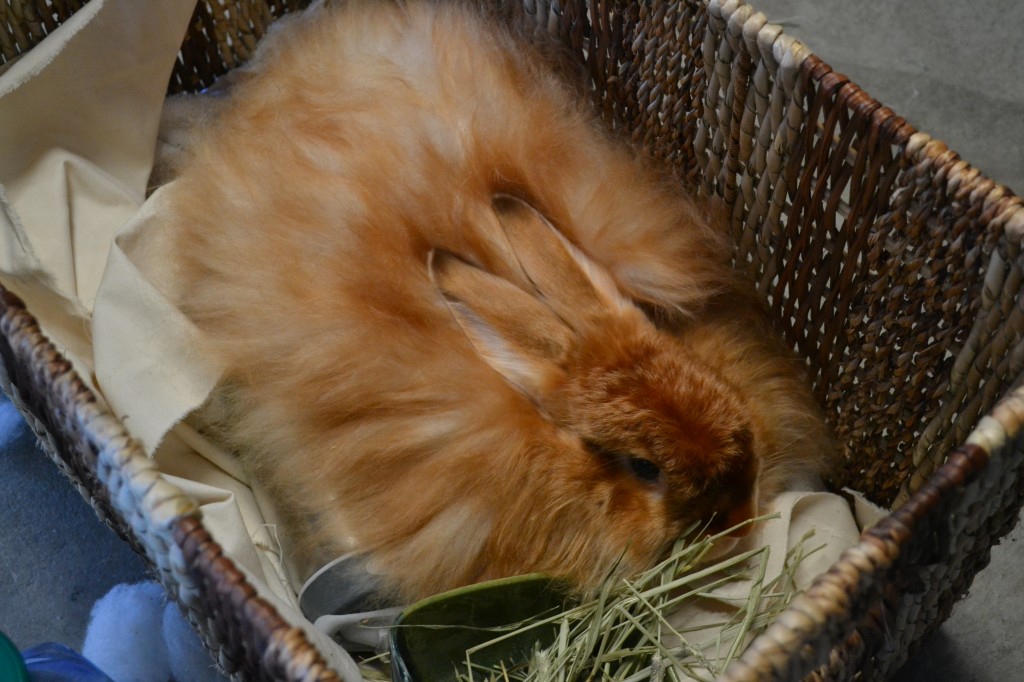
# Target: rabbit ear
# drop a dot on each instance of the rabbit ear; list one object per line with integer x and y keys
{"x": 517, "y": 335}
{"x": 573, "y": 285}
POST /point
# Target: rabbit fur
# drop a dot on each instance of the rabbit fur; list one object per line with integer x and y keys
{"x": 466, "y": 331}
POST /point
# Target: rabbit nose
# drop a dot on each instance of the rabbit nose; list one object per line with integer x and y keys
{"x": 739, "y": 514}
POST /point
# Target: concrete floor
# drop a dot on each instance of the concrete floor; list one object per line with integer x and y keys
{"x": 56, "y": 557}
{"x": 951, "y": 68}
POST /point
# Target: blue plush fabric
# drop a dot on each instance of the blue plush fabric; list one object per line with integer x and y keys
{"x": 136, "y": 635}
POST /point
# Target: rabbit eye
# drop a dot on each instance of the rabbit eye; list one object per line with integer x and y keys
{"x": 644, "y": 469}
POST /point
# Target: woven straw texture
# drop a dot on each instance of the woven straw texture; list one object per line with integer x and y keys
{"x": 25, "y": 23}
{"x": 890, "y": 264}
{"x": 109, "y": 468}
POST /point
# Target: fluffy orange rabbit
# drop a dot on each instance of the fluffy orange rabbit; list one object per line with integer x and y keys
{"x": 426, "y": 267}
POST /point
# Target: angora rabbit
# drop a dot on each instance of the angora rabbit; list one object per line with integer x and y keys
{"x": 467, "y": 333}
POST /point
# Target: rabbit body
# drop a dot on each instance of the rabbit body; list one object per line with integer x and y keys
{"x": 420, "y": 259}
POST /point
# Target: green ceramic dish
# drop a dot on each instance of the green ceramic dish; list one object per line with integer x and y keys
{"x": 12, "y": 668}
{"x": 430, "y": 638}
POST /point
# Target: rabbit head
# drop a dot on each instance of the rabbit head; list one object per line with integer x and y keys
{"x": 664, "y": 441}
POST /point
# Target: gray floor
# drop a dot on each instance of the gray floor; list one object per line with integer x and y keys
{"x": 56, "y": 557}
{"x": 953, "y": 69}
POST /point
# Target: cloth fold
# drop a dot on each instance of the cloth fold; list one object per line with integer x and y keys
{"x": 79, "y": 118}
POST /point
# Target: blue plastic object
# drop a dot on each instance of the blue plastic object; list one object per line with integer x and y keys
{"x": 52, "y": 662}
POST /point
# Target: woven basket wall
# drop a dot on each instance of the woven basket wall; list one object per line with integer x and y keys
{"x": 890, "y": 264}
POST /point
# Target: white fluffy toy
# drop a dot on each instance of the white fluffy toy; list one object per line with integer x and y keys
{"x": 136, "y": 635}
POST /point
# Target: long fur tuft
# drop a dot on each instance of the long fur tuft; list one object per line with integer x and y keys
{"x": 365, "y": 137}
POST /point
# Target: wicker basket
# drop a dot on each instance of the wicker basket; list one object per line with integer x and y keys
{"x": 893, "y": 266}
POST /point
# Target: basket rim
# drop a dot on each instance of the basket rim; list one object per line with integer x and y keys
{"x": 162, "y": 522}
{"x": 789, "y": 643}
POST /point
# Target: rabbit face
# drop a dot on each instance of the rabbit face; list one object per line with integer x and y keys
{"x": 664, "y": 427}
{"x": 656, "y": 441}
